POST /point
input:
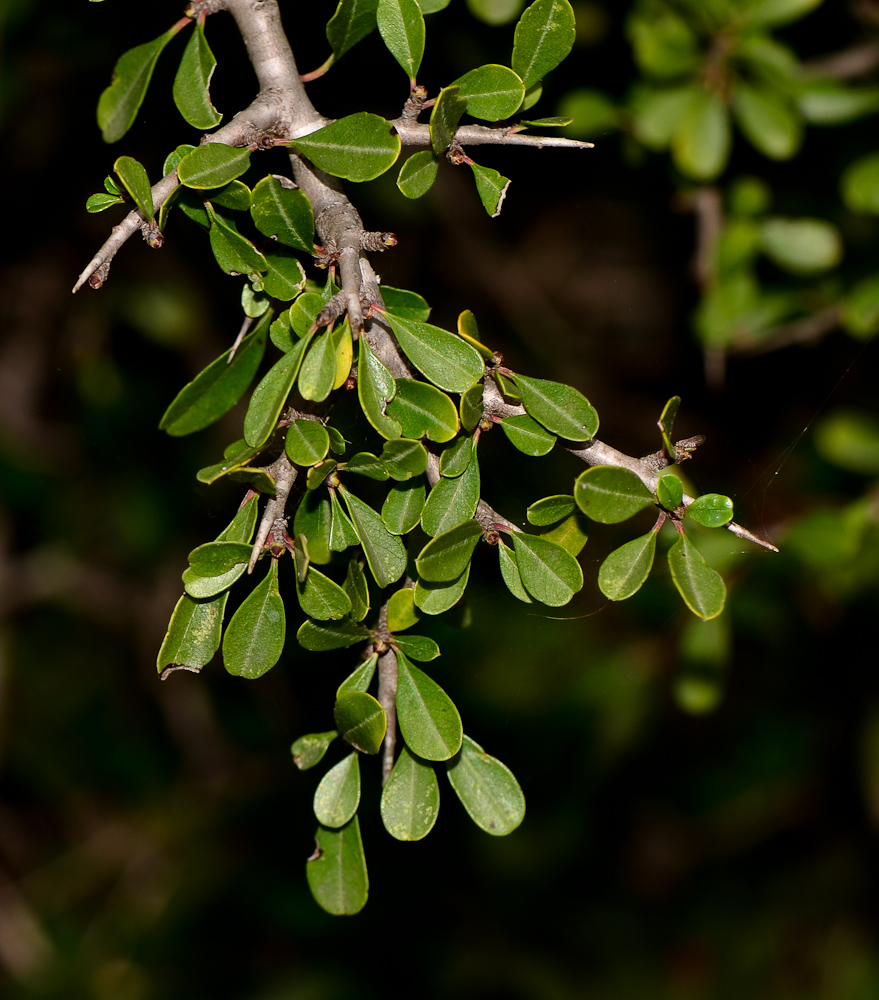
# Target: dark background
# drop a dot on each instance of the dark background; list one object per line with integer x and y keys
{"x": 153, "y": 836}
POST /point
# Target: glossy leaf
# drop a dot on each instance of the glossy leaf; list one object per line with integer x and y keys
{"x": 218, "y": 388}
{"x": 571, "y": 533}
{"x": 560, "y": 408}
{"x": 234, "y": 253}
{"x": 120, "y": 102}
{"x": 451, "y": 501}
{"x": 99, "y": 202}
{"x": 492, "y": 92}
{"x": 342, "y": 533}
{"x": 212, "y": 165}
{"x": 711, "y": 510}
{"x": 417, "y": 174}
{"x": 283, "y": 213}
{"x": 550, "y": 509}
{"x": 193, "y": 634}
{"x": 359, "y": 147}
{"x": 322, "y": 598}
{"x": 492, "y": 188}
{"x": 318, "y": 372}
{"x": 357, "y": 589}
{"x": 193, "y": 80}
{"x": 402, "y": 302}
{"x": 352, "y": 22}
{"x": 417, "y": 647}
{"x": 401, "y": 610}
{"x": 487, "y": 789}
{"x": 403, "y": 506}
{"x": 445, "y": 557}
{"x": 336, "y": 872}
{"x": 135, "y": 181}
{"x": 445, "y": 359}
{"x": 701, "y": 587}
{"x": 404, "y": 458}
{"x": 624, "y": 571}
{"x": 510, "y": 572}
{"x": 235, "y": 195}
{"x": 214, "y": 558}
{"x": 306, "y": 442}
{"x": 384, "y": 552}
{"x": 254, "y": 638}
{"x": 767, "y": 120}
{"x": 375, "y": 390}
{"x": 702, "y": 139}
{"x": 610, "y": 495}
{"x": 304, "y": 312}
{"x": 544, "y": 36}
{"x": 236, "y": 456}
{"x": 444, "y": 118}
{"x": 429, "y": 722}
{"x": 422, "y": 410}
{"x": 469, "y": 331}
{"x": 436, "y": 598}
{"x": 528, "y": 435}
{"x": 360, "y": 678}
{"x": 455, "y": 459}
{"x": 338, "y": 795}
{"x": 309, "y": 750}
{"x": 270, "y": 396}
{"x": 361, "y": 721}
{"x": 401, "y": 25}
{"x": 364, "y": 463}
{"x": 472, "y": 408}
{"x": 320, "y": 637}
{"x": 317, "y": 474}
{"x": 410, "y": 799}
{"x": 548, "y": 571}
{"x": 313, "y": 516}
{"x": 670, "y": 491}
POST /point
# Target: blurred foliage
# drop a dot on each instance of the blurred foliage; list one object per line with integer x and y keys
{"x": 703, "y": 797}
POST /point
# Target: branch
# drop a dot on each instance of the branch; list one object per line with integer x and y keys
{"x": 273, "y": 520}
{"x": 388, "y": 673}
{"x": 416, "y": 134}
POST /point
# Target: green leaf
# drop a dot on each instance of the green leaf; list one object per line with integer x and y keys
{"x": 492, "y": 92}
{"x": 193, "y": 634}
{"x": 455, "y": 459}
{"x": 283, "y": 214}
{"x": 860, "y": 307}
{"x": 309, "y": 750}
{"x": 360, "y": 678}
{"x": 860, "y": 184}
{"x": 670, "y": 491}
{"x": 307, "y": 442}
{"x": 254, "y": 638}
{"x": 404, "y": 458}
{"x": 702, "y": 589}
{"x": 417, "y": 647}
{"x": 342, "y": 533}
{"x": 403, "y": 506}
{"x": 421, "y": 410}
{"x": 487, "y": 789}
{"x": 544, "y": 36}
{"x": 657, "y": 114}
{"x": 212, "y": 165}
{"x": 510, "y": 572}
{"x": 468, "y": 329}
{"x": 120, "y": 102}
{"x": 384, "y": 552}
{"x": 571, "y": 534}
{"x": 702, "y": 140}
{"x": 664, "y": 42}
{"x": 444, "y": 118}
{"x": 304, "y": 312}
{"x": 322, "y": 598}
{"x": 318, "y": 371}
{"x": 451, "y": 501}
{"x": 445, "y": 557}
{"x": 361, "y": 721}
{"x": 375, "y": 390}
{"x": 435, "y": 598}
{"x": 234, "y": 253}
{"x": 772, "y": 13}
{"x": 472, "y": 408}
{"x": 99, "y": 202}
{"x": 769, "y": 123}
{"x": 193, "y": 80}
{"x": 338, "y": 795}
{"x": 554, "y": 121}
{"x": 402, "y": 302}
{"x": 359, "y": 147}
{"x": 236, "y": 456}
{"x": 429, "y": 721}
{"x": 828, "y": 102}
{"x": 284, "y": 279}
{"x": 410, "y": 799}
{"x": 317, "y": 474}
{"x": 401, "y": 25}
{"x": 352, "y": 22}
{"x": 445, "y": 359}
{"x": 550, "y": 509}
{"x": 270, "y": 396}
{"x": 218, "y": 388}
{"x": 666, "y": 425}
{"x": 364, "y": 463}
{"x": 624, "y": 571}
{"x": 711, "y": 510}
{"x": 214, "y": 558}
{"x": 849, "y": 439}
{"x": 313, "y": 518}
{"x": 494, "y": 11}
{"x": 527, "y": 435}
{"x": 336, "y": 872}
{"x": 549, "y": 572}
{"x": 417, "y": 174}
{"x": 322, "y": 637}
{"x": 135, "y": 181}
{"x": 357, "y": 589}
{"x": 560, "y": 408}
{"x": 610, "y": 495}
{"x": 801, "y": 246}
{"x": 401, "y": 610}
{"x": 492, "y": 188}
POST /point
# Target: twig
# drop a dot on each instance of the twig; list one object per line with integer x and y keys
{"x": 418, "y": 134}
{"x": 283, "y": 472}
